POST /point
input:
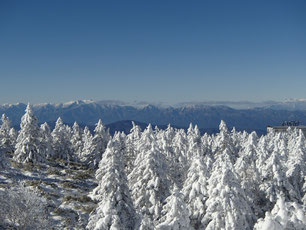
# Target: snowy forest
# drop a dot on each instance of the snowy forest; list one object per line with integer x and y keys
{"x": 150, "y": 179}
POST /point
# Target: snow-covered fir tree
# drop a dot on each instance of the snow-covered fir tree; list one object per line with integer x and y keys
{"x": 87, "y": 140}
{"x": 284, "y": 215}
{"x": 227, "y": 206}
{"x": 173, "y": 158}
{"x": 95, "y": 146}
{"x": 275, "y": 181}
{"x": 194, "y": 142}
{"x": 248, "y": 173}
{"x": 181, "y": 164}
{"x": 76, "y": 140}
{"x": 149, "y": 180}
{"x": 115, "y": 208}
{"x": 195, "y": 191}
{"x": 4, "y": 163}
{"x": 13, "y": 137}
{"x": 131, "y": 147}
{"x": 296, "y": 167}
{"x": 46, "y": 140}
{"x": 6, "y": 142}
{"x": 175, "y": 215}
{"x": 223, "y": 140}
{"x": 61, "y": 141}
{"x": 29, "y": 146}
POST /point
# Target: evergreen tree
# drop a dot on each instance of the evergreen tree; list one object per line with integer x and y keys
{"x": 262, "y": 153}
{"x": 175, "y": 215}
{"x": 223, "y": 141}
{"x": 102, "y": 132}
{"x": 284, "y": 215}
{"x": 206, "y": 144}
{"x": 248, "y": 173}
{"x": 13, "y": 137}
{"x": 296, "y": 168}
{"x": 115, "y": 208}
{"x": 227, "y": 206}
{"x": 96, "y": 145}
{"x": 77, "y": 143}
{"x": 131, "y": 147}
{"x": 173, "y": 158}
{"x": 4, "y": 163}
{"x": 6, "y": 142}
{"x": 46, "y": 140}
{"x": 275, "y": 181}
{"x": 149, "y": 180}
{"x": 61, "y": 141}
{"x": 29, "y": 147}
{"x": 147, "y": 138}
{"x": 194, "y": 142}
{"x": 180, "y": 148}
{"x": 87, "y": 140}
{"x": 195, "y": 191}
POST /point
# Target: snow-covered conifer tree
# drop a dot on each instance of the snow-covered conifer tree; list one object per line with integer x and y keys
{"x": 275, "y": 181}
{"x": 227, "y": 206}
{"x": 149, "y": 180}
{"x": 206, "y": 143}
{"x": 262, "y": 153}
{"x": 284, "y": 215}
{"x": 96, "y": 145}
{"x": 194, "y": 142}
{"x": 248, "y": 173}
{"x": 115, "y": 208}
{"x": 146, "y": 139}
{"x": 180, "y": 143}
{"x": 4, "y": 163}
{"x": 224, "y": 141}
{"x": 46, "y": 141}
{"x": 170, "y": 132}
{"x": 28, "y": 147}
{"x": 174, "y": 158}
{"x": 61, "y": 141}
{"x": 6, "y": 143}
{"x": 87, "y": 140}
{"x": 131, "y": 147}
{"x": 13, "y": 137}
{"x": 180, "y": 148}
{"x": 296, "y": 168}
{"x": 195, "y": 191}
{"x": 175, "y": 215}
{"x": 77, "y": 144}
{"x": 102, "y": 132}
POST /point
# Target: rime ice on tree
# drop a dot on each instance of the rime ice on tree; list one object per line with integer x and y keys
{"x": 115, "y": 208}
{"x": 29, "y": 146}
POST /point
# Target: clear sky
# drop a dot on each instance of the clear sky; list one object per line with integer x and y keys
{"x": 152, "y": 50}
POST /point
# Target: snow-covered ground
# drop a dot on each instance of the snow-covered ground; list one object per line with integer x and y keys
{"x": 64, "y": 187}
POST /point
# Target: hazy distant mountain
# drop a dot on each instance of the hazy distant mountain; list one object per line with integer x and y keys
{"x": 242, "y": 115}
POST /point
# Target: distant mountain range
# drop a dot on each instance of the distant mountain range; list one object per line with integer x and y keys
{"x": 207, "y": 115}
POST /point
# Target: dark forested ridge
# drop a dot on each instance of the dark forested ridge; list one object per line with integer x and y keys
{"x": 71, "y": 177}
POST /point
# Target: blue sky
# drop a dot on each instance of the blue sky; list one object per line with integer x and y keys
{"x": 161, "y": 50}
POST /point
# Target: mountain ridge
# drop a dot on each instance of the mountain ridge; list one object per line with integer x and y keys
{"x": 205, "y": 115}
{"x": 289, "y": 104}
